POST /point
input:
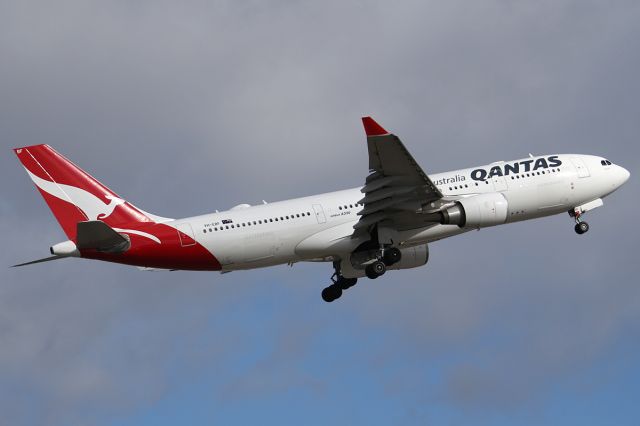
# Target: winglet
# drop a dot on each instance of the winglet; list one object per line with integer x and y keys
{"x": 372, "y": 128}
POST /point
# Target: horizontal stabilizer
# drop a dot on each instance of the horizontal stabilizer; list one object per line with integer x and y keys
{"x": 95, "y": 234}
{"x": 46, "y": 259}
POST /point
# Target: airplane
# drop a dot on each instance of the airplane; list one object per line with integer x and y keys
{"x": 386, "y": 224}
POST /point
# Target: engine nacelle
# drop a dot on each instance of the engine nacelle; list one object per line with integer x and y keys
{"x": 477, "y": 211}
{"x": 412, "y": 257}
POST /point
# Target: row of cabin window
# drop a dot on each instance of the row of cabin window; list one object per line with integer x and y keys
{"x": 451, "y": 188}
{"x": 256, "y": 222}
{"x": 535, "y": 173}
{"x": 350, "y": 206}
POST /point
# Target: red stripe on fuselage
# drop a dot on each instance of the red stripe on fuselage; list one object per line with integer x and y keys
{"x": 169, "y": 254}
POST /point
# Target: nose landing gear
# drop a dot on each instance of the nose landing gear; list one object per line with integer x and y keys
{"x": 581, "y": 226}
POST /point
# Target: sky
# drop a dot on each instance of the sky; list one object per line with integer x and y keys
{"x": 187, "y": 107}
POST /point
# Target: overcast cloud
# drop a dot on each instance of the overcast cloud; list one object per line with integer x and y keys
{"x": 187, "y": 107}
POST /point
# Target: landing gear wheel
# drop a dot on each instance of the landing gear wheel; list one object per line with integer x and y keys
{"x": 346, "y": 283}
{"x": 391, "y": 256}
{"x": 375, "y": 269}
{"x": 581, "y": 227}
{"x": 331, "y": 293}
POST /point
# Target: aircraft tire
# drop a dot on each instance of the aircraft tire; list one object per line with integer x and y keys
{"x": 331, "y": 293}
{"x": 346, "y": 283}
{"x": 581, "y": 228}
{"x": 375, "y": 269}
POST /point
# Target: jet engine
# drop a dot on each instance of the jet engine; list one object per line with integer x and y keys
{"x": 477, "y": 211}
{"x": 412, "y": 257}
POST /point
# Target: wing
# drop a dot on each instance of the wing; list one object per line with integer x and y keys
{"x": 397, "y": 190}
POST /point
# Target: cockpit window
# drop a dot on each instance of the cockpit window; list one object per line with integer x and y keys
{"x": 605, "y": 162}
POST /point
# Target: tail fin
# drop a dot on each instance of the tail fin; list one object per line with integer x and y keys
{"x": 72, "y": 194}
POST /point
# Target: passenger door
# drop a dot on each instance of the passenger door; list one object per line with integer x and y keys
{"x": 320, "y": 217}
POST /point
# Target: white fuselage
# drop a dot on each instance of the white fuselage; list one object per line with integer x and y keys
{"x": 319, "y": 227}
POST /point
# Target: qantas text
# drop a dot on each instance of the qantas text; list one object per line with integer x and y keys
{"x": 523, "y": 166}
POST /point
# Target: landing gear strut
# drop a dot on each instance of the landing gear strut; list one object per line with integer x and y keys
{"x": 581, "y": 226}
{"x": 340, "y": 283}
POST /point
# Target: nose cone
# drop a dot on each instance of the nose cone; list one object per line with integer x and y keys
{"x": 623, "y": 175}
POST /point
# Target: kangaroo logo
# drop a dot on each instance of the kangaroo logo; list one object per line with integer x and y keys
{"x": 93, "y": 207}
{"x": 113, "y": 203}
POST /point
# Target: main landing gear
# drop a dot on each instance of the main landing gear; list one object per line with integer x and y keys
{"x": 387, "y": 257}
{"x": 340, "y": 283}
{"x": 373, "y": 270}
{"x": 581, "y": 226}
